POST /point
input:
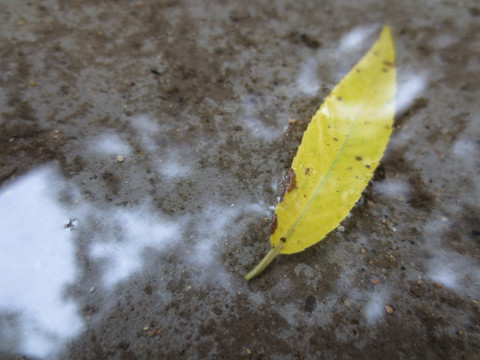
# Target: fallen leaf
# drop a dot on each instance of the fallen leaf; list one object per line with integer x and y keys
{"x": 340, "y": 149}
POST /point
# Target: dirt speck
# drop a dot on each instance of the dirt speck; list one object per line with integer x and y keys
{"x": 310, "y": 304}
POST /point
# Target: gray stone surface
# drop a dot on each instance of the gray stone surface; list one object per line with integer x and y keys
{"x": 142, "y": 150}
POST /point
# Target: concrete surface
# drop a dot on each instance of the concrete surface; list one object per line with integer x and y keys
{"x": 143, "y": 147}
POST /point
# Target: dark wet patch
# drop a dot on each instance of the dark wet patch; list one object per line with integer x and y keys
{"x": 456, "y": 125}
{"x": 420, "y": 197}
{"x": 298, "y": 38}
{"x": 112, "y": 181}
{"x": 310, "y": 41}
{"x": 6, "y": 172}
{"x": 310, "y": 304}
{"x": 379, "y": 173}
{"x": 474, "y": 11}
{"x": 403, "y": 117}
{"x": 25, "y": 145}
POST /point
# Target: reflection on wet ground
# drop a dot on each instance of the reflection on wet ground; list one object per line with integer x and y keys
{"x": 37, "y": 263}
{"x": 143, "y": 147}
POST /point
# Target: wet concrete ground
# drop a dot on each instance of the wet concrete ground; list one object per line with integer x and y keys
{"x": 142, "y": 150}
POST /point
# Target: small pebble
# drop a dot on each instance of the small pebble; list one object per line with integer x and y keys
{"x": 375, "y": 282}
{"x": 292, "y": 121}
{"x": 341, "y": 228}
{"x": 145, "y": 328}
{"x": 388, "y": 309}
{"x": 120, "y": 158}
{"x": 383, "y": 271}
{"x": 438, "y": 285}
{"x": 91, "y": 290}
{"x": 346, "y": 303}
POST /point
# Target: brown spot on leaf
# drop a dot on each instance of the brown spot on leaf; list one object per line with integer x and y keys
{"x": 290, "y": 183}
{"x": 307, "y": 171}
{"x": 274, "y": 224}
{"x": 358, "y": 158}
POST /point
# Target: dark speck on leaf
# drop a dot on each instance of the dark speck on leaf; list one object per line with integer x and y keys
{"x": 358, "y": 158}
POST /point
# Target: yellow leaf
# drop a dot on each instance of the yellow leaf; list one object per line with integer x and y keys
{"x": 340, "y": 149}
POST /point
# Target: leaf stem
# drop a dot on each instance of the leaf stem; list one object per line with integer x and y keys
{"x": 265, "y": 261}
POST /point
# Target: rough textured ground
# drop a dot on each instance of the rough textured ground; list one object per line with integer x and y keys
{"x": 142, "y": 150}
